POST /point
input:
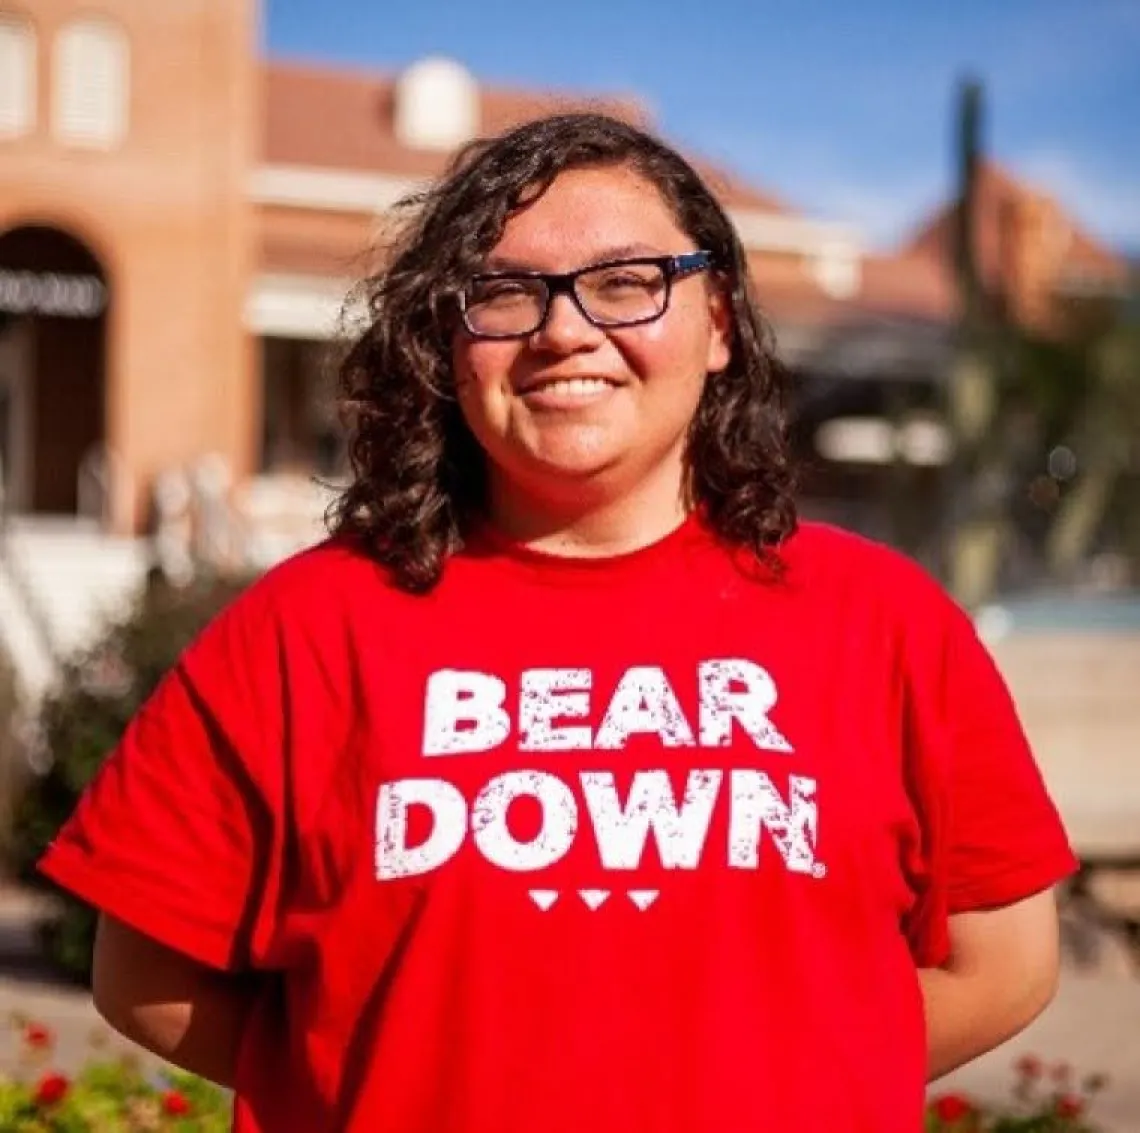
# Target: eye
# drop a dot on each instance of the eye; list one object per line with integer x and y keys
{"x": 616, "y": 282}
{"x": 503, "y": 290}
{"x": 624, "y": 279}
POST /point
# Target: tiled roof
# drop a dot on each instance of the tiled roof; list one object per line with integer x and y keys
{"x": 344, "y": 120}
{"x": 909, "y": 286}
{"x": 907, "y": 283}
{"x": 330, "y": 245}
{"x": 1014, "y": 218}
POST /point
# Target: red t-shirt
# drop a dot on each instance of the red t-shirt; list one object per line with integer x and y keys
{"x": 652, "y": 844}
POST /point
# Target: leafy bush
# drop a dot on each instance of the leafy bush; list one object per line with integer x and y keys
{"x": 83, "y": 719}
{"x": 109, "y": 1095}
{"x": 1045, "y": 1100}
{"x": 118, "y": 1095}
{"x": 13, "y": 772}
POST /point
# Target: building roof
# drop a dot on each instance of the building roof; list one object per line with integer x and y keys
{"x": 913, "y": 283}
{"x": 345, "y": 120}
{"x": 1024, "y": 238}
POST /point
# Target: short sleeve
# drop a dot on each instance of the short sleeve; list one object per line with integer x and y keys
{"x": 178, "y": 833}
{"x": 992, "y": 835}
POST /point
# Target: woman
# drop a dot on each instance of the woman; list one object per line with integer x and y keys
{"x": 571, "y": 784}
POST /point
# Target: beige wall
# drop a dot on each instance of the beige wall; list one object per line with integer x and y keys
{"x": 1079, "y": 698}
{"x": 1077, "y": 692}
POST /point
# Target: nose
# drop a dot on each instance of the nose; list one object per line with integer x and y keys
{"x": 565, "y": 329}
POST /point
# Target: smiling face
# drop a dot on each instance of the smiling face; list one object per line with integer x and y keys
{"x": 575, "y": 412}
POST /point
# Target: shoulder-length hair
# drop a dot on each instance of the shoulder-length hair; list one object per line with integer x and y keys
{"x": 418, "y": 475}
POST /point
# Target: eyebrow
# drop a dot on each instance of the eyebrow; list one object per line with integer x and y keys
{"x": 618, "y": 252}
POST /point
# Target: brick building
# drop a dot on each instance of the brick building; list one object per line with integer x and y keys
{"x": 180, "y": 221}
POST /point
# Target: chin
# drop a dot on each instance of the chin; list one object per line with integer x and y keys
{"x": 577, "y": 472}
{"x": 578, "y": 460}
{"x": 570, "y": 477}
{"x": 574, "y": 456}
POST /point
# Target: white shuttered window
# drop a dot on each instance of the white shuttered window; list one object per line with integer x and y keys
{"x": 91, "y": 84}
{"x": 17, "y": 76}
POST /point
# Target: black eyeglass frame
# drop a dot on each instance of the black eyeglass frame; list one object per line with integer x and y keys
{"x": 672, "y": 268}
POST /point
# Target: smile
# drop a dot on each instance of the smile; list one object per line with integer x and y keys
{"x": 567, "y": 393}
{"x": 570, "y": 387}
{"x": 562, "y": 392}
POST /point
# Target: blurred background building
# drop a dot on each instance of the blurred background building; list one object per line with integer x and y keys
{"x": 182, "y": 220}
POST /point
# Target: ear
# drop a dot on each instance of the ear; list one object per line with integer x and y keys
{"x": 721, "y": 330}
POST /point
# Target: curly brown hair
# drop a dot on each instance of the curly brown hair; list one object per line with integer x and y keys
{"x": 418, "y": 475}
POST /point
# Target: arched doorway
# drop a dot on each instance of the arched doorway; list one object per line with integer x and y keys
{"x": 54, "y": 297}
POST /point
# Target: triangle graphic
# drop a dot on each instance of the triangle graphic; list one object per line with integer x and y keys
{"x": 544, "y": 898}
{"x": 594, "y": 898}
{"x": 643, "y": 898}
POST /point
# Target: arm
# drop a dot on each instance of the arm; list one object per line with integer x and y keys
{"x": 1001, "y": 974}
{"x": 185, "y": 1012}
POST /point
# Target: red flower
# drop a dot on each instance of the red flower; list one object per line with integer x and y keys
{"x": 51, "y": 1089}
{"x": 951, "y": 1108}
{"x": 1070, "y": 1106}
{"x": 175, "y": 1104}
{"x": 1029, "y": 1066}
{"x": 38, "y": 1037}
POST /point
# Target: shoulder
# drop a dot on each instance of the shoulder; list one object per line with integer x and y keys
{"x": 331, "y": 572}
{"x": 821, "y": 554}
{"x": 835, "y": 566}
{"x": 307, "y": 597}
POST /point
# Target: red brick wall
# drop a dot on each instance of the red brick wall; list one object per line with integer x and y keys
{"x": 167, "y": 215}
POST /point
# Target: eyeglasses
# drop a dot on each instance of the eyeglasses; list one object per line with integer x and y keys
{"x": 619, "y": 293}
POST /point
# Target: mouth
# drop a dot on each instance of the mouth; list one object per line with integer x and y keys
{"x": 566, "y": 389}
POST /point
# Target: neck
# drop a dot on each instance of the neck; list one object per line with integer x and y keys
{"x": 587, "y": 521}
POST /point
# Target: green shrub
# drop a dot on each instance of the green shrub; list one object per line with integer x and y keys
{"x": 109, "y": 1094}
{"x": 81, "y": 721}
{"x": 1046, "y": 1099}
{"x": 13, "y": 769}
{"x": 118, "y": 1095}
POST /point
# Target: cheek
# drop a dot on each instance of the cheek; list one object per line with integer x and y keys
{"x": 671, "y": 357}
{"x": 474, "y": 368}
{"x": 481, "y": 380}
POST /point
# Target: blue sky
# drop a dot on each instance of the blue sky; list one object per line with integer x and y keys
{"x": 842, "y": 108}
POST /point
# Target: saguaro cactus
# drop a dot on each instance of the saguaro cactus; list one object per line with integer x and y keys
{"x": 979, "y": 483}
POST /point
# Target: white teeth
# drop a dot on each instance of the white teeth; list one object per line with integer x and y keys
{"x": 574, "y": 387}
